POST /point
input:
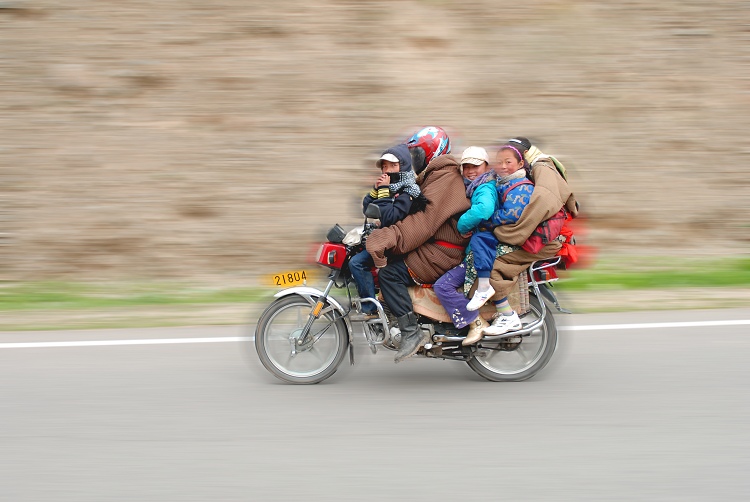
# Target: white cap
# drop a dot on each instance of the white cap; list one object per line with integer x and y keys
{"x": 389, "y": 157}
{"x": 475, "y": 155}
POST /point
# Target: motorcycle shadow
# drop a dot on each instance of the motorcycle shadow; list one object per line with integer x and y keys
{"x": 416, "y": 371}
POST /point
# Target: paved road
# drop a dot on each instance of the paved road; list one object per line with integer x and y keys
{"x": 643, "y": 413}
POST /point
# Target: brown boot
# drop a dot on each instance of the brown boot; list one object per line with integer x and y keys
{"x": 475, "y": 332}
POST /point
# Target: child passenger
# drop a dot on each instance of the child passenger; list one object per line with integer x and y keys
{"x": 479, "y": 180}
{"x": 397, "y": 194}
{"x": 514, "y": 191}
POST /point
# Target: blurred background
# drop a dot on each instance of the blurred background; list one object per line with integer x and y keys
{"x": 217, "y": 140}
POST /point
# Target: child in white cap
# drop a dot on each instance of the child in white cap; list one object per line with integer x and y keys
{"x": 479, "y": 180}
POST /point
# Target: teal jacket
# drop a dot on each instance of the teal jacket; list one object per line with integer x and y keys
{"x": 483, "y": 205}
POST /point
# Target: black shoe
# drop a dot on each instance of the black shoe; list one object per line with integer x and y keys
{"x": 412, "y": 337}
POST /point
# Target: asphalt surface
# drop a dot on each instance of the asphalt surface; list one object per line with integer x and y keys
{"x": 638, "y": 412}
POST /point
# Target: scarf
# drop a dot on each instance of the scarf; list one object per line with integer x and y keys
{"x": 533, "y": 154}
{"x": 479, "y": 180}
{"x": 408, "y": 182}
{"x": 521, "y": 173}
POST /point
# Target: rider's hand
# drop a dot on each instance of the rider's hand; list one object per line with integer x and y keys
{"x": 383, "y": 180}
{"x": 467, "y": 234}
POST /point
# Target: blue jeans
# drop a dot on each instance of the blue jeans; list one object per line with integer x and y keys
{"x": 360, "y": 266}
{"x": 484, "y": 247}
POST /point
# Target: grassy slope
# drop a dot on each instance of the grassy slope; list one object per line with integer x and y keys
{"x": 88, "y": 305}
{"x": 648, "y": 273}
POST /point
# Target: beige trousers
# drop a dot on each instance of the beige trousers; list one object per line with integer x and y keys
{"x": 507, "y": 267}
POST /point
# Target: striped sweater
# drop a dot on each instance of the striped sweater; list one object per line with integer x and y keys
{"x": 414, "y": 236}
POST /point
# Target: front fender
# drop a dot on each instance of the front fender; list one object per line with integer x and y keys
{"x": 312, "y": 295}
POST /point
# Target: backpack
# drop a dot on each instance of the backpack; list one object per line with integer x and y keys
{"x": 546, "y": 232}
{"x": 551, "y": 228}
{"x": 560, "y": 167}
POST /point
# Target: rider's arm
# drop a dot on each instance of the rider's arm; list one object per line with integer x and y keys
{"x": 447, "y": 199}
{"x": 395, "y": 211}
{"x": 483, "y": 204}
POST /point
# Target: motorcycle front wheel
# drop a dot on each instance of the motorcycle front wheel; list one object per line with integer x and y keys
{"x": 525, "y": 360}
{"x": 276, "y": 341}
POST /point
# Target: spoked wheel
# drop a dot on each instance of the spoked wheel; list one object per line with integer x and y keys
{"x": 279, "y": 330}
{"x": 510, "y": 362}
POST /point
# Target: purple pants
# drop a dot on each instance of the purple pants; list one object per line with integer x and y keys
{"x": 452, "y": 298}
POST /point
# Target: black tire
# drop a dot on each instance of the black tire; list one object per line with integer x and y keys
{"x": 525, "y": 361}
{"x": 274, "y": 337}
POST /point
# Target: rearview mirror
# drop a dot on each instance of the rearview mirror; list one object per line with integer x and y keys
{"x": 373, "y": 211}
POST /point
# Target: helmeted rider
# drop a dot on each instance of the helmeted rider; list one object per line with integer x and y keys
{"x": 424, "y": 245}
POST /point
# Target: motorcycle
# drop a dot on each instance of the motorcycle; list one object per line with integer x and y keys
{"x": 303, "y": 336}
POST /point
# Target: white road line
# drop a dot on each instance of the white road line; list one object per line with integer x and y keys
{"x": 651, "y": 325}
{"x": 99, "y": 343}
{"x": 166, "y": 341}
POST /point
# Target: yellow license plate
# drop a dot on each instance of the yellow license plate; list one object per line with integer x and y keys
{"x": 288, "y": 279}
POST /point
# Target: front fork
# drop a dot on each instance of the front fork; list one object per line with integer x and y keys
{"x": 305, "y": 337}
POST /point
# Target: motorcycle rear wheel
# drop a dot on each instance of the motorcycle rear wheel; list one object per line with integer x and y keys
{"x": 529, "y": 358}
{"x": 279, "y": 328}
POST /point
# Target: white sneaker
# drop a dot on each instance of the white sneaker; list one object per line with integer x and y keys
{"x": 503, "y": 324}
{"x": 480, "y": 298}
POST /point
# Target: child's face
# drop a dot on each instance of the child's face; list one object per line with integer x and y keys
{"x": 389, "y": 167}
{"x": 507, "y": 163}
{"x": 471, "y": 171}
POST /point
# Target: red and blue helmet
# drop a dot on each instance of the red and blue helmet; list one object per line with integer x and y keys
{"x": 433, "y": 140}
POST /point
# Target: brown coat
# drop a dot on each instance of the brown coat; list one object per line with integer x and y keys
{"x": 414, "y": 236}
{"x": 551, "y": 192}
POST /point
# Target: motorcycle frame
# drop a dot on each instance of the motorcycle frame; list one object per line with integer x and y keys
{"x": 317, "y": 299}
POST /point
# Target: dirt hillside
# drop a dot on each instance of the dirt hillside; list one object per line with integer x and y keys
{"x": 187, "y": 139}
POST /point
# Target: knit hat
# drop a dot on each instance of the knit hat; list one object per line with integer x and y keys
{"x": 475, "y": 155}
{"x": 520, "y": 141}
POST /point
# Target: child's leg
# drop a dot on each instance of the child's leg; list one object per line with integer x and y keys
{"x": 506, "y": 320}
{"x": 507, "y": 267}
{"x": 503, "y": 306}
{"x": 361, "y": 265}
{"x": 484, "y": 247}
{"x": 453, "y": 301}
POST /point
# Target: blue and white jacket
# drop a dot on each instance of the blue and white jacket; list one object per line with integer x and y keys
{"x": 513, "y": 195}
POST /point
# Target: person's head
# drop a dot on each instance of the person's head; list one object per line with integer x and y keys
{"x": 395, "y": 160}
{"x": 388, "y": 163}
{"x": 425, "y": 145}
{"x": 474, "y": 162}
{"x": 396, "y": 163}
{"x": 522, "y": 144}
{"x": 509, "y": 160}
